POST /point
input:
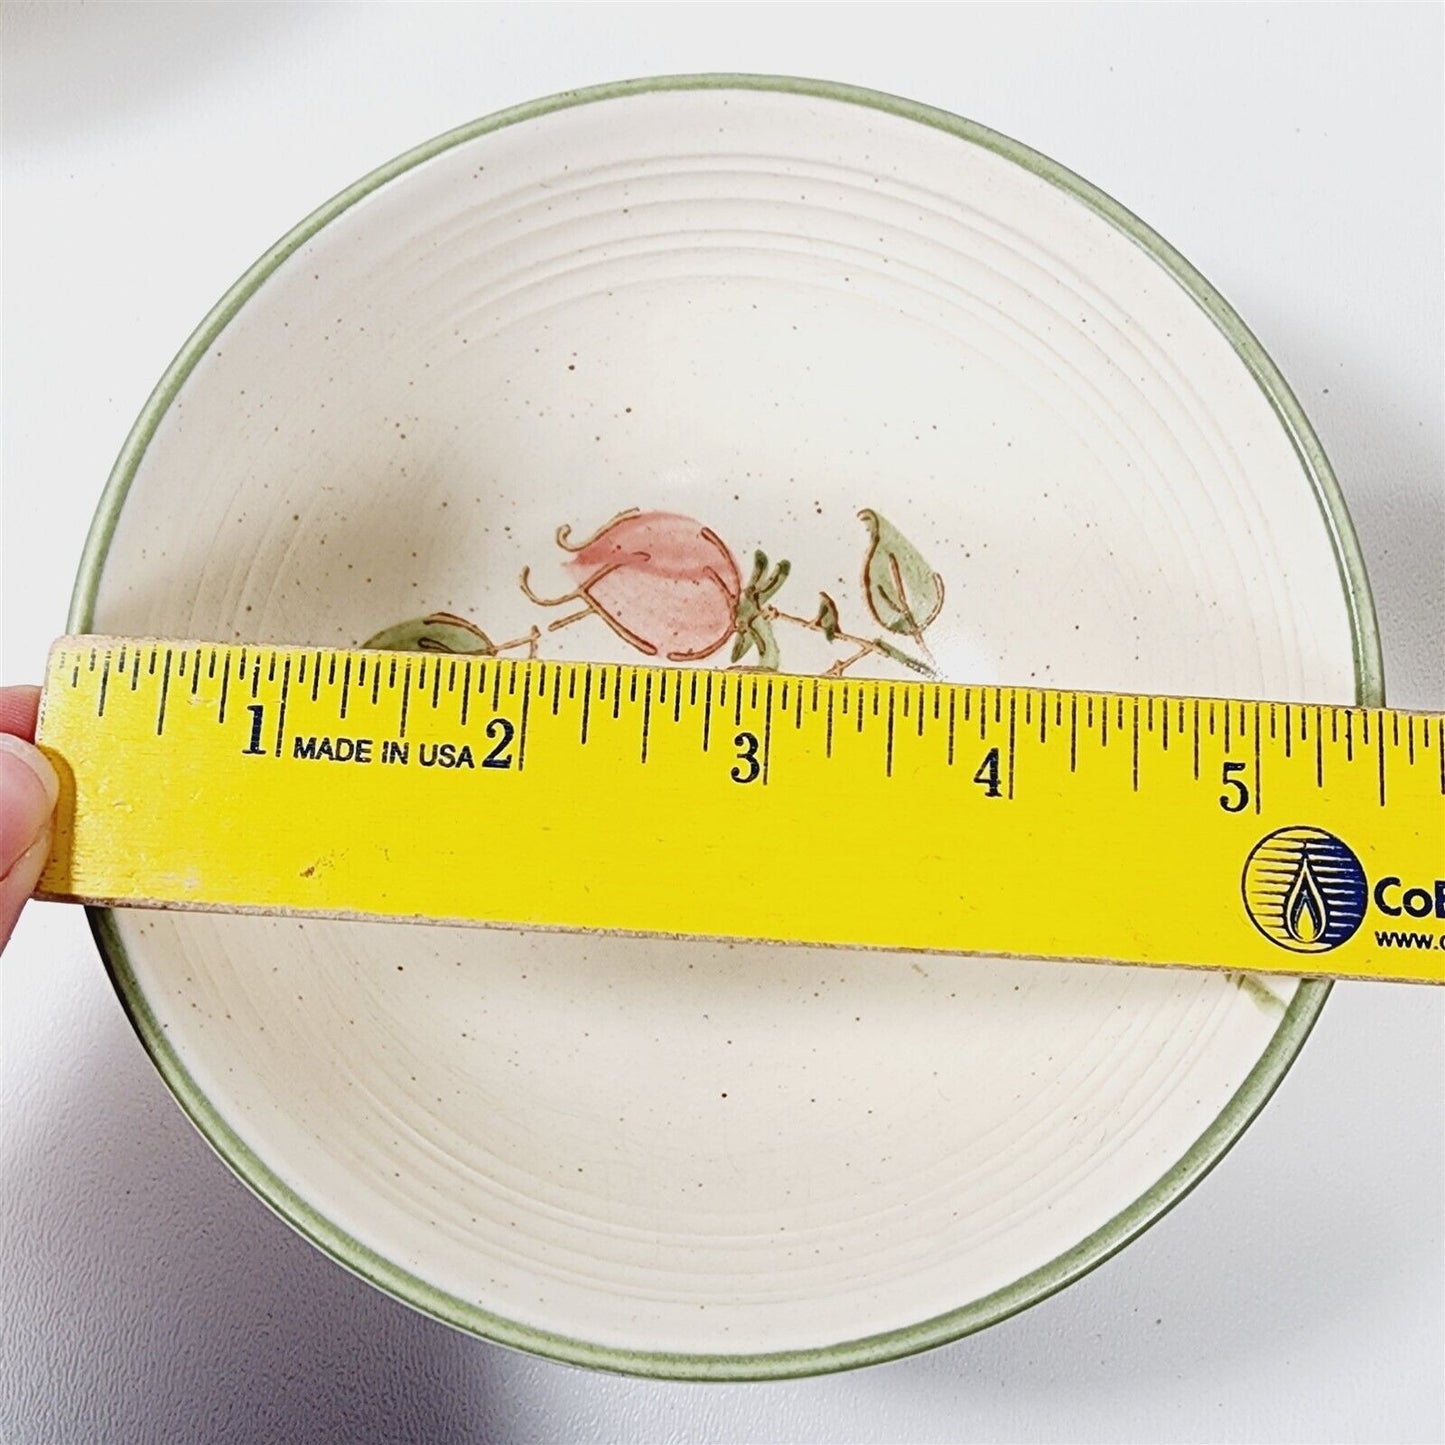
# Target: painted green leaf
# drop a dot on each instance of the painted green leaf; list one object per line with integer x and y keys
{"x": 763, "y": 584}
{"x": 748, "y": 609}
{"x": 758, "y": 635}
{"x": 760, "y": 565}
{"x": 1264, "y": 997}
{"x": 754, "y": 626}
{"x": 440, "y": 632}
{"x": 904, "y": 593}
{"x": 827, "y": 619}
{"x": 776, "y": 580}
{"x": 766, "y": 644}
{"x": 898, "y": 655}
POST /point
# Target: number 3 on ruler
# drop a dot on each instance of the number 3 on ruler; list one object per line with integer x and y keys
{"x": 747, "y": 746}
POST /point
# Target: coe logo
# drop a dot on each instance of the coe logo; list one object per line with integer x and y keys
{"x": 1305, "y": 889}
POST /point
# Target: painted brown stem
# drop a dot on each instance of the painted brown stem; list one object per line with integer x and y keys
{"x": 567, "y": 621}
{"x": 524, "y": 581}
{"x": 530, "y": 641}
{"x": 863, "y": 644}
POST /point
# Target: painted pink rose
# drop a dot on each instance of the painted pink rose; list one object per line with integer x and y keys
{"x": 663, "y": 582}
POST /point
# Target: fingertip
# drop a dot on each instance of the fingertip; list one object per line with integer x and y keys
{"x": 28, "y": 791}
{"x": 18, "y": 709}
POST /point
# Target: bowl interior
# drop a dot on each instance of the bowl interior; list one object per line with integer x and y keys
{"x": 762, "y": 312}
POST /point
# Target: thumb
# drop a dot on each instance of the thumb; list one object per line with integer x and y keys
{"x": 28, "y": 789}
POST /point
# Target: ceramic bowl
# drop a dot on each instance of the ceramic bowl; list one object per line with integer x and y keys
{"x": 574, "y": 381}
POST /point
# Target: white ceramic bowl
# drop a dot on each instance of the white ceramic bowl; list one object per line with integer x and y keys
{"x": 764, "y": 306}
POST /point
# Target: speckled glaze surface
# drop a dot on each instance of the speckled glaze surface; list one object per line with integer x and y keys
{"x": 764, "y": 312}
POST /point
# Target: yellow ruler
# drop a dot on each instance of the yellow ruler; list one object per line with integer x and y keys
{"x": 1295, "y": 838}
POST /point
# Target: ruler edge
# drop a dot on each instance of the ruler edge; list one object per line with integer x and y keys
{"x": 139, "y": 905}
{"x": 186, "y": 644}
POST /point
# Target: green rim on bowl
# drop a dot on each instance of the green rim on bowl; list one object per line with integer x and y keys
{"x": 1207, "y": 1150}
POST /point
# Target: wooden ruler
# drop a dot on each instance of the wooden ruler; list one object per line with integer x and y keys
{"x": 1227, "y": 833}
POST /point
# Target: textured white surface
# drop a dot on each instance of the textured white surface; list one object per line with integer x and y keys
{"x": 1295, "y": 157}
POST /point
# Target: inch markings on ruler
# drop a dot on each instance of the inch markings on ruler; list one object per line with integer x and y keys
{"x": 1231, "y": 833}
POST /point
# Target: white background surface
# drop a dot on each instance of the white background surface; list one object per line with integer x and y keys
{"x": 152, "y": 152}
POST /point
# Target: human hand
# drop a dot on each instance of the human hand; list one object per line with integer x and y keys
{"x": 28, "y": 789}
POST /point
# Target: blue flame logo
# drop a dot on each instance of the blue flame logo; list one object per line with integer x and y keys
{"x": 1304, "y": 889}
